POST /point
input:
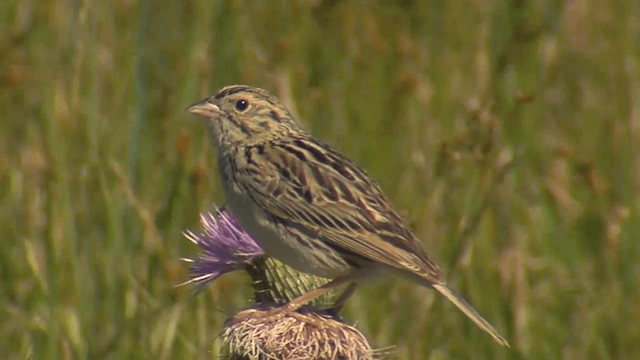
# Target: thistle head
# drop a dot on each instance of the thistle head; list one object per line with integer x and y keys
{"x": 225, "y": 247}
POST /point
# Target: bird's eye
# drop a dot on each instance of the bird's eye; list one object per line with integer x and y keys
{"x": 242, "y": 105}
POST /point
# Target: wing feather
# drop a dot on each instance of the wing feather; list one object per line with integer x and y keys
{"x": 309, "y": 185}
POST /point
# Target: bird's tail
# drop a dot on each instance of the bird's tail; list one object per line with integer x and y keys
{"x": 463, "y": 305}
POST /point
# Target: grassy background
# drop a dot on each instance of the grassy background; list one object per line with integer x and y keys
{"x": 507, "y": 132}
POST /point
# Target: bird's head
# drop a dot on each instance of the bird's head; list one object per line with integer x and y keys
{"x": 246, "y": 114}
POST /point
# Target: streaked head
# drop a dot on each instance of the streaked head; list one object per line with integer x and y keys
{"x": 243, "y": 113}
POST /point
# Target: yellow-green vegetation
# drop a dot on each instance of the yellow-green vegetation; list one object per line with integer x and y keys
{"x": 507, "y": 132}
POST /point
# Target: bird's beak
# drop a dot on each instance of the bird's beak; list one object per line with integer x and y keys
{"x": 204, "y": 109}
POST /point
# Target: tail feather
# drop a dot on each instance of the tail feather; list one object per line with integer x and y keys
{"x": 463, "y": 305}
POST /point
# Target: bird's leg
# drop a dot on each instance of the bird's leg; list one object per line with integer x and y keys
{"x": 296, "y": 303}
{"x": 346, "y": 294}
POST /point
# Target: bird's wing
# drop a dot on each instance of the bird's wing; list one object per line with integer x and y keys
{"x": 307, "y": 184}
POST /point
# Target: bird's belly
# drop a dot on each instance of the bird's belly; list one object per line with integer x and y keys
{"x": 282, "y": 247}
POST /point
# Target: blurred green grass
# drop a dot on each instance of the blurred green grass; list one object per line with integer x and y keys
{"x": 506, "y": 132}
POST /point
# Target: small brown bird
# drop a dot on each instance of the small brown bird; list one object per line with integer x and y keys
{"x": 308, "y": 205}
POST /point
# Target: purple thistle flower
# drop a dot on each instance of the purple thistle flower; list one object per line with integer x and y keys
{"x": 225, "y": 247}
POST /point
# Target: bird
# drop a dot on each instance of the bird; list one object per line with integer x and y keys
{"x": 308, "y": 205}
